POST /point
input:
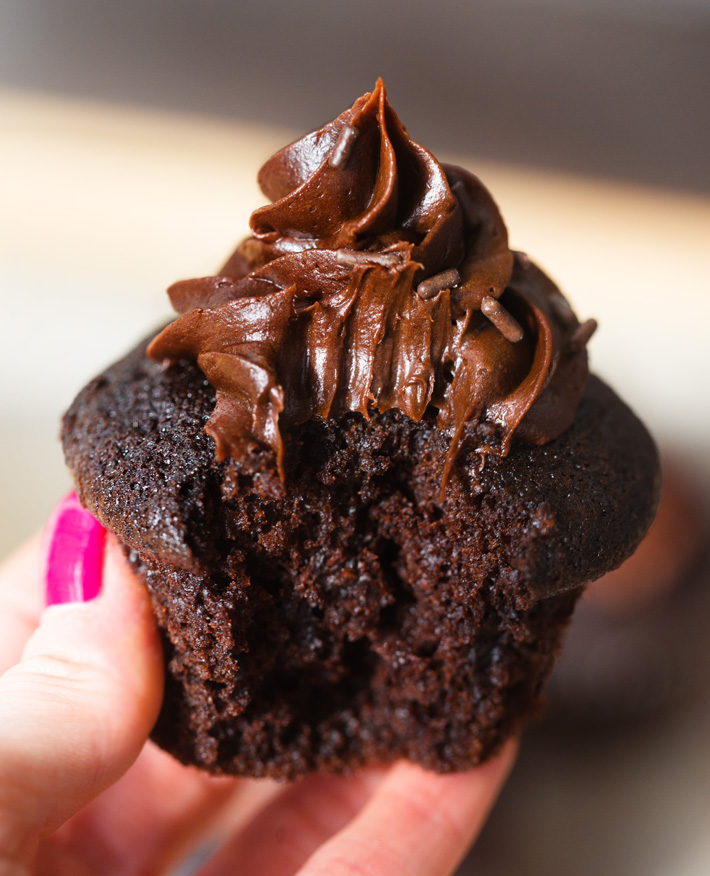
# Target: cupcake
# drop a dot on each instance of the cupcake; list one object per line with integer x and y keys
{"x": 365, "y": 472}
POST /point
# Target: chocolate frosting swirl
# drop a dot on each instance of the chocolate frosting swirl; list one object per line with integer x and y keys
{"x": 377, "y": 278}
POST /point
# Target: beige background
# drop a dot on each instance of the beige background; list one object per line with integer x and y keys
{"x": 614, "y": 88}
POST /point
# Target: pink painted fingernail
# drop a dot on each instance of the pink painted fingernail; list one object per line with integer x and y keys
{"x": 75, "y": 553}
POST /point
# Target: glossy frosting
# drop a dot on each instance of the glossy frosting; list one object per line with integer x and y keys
{"x": 322, "y": 310}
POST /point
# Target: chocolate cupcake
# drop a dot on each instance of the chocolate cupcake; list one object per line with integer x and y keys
{"x": 364, "y": 473}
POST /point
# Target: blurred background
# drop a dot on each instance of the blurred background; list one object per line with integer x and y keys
{"x": 617, "y": 88}
{"x": 130, "y": 137}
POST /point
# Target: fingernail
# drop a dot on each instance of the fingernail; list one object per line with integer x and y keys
{"x": 75, "y": 552}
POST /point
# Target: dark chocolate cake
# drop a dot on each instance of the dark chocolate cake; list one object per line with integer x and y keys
{"x": 364, "y": 474}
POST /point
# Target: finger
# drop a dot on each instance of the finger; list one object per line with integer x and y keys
{"x": 416, "y": 823}
{"x": 156, "y": 811}
{"x": 21, "y": 600}
{"x": 154, "y": 816}
{"x": 75, "y": 712}
{"x": 281, "y": 835}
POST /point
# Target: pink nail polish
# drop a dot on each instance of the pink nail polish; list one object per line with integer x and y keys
{"x": 75, "y": 553}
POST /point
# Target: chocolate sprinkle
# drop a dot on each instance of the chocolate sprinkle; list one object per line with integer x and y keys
{"x": 582, "y": 334}
{"x": 433, "y": 285}
{"x": 341, "y": 151}
{"x": 350, "y": 257}
{"x": 523, "y": 260}
{"x": 506, "y": 324}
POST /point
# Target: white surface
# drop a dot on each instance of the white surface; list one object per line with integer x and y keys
{"x": 103, "y": 207}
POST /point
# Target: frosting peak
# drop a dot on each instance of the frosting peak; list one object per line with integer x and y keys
{"x": 382, "y": 193}
{"x": 377, "y": 278}
{"x": 378, "y": 190}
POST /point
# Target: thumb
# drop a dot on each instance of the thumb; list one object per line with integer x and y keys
{"x": 76, "y": 711}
